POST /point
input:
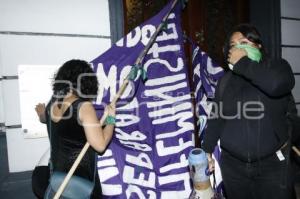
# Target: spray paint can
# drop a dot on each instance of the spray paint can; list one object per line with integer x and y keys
{"x": 198, "y": 164}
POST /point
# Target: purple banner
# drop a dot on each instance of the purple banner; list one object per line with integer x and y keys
{"x": 206, "y": 74}
{"x": 147, "y": 157}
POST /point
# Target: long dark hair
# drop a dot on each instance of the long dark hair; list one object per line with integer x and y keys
{"x": 78, "y": 76}
{"x": 248, "y": 31}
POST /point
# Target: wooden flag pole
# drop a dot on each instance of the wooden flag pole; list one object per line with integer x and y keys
{"x": 138, "y": 61}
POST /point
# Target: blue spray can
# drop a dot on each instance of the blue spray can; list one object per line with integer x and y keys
{"x": 198, "y": 164}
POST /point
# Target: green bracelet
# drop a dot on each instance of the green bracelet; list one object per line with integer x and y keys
{"x": 110, "y": 120}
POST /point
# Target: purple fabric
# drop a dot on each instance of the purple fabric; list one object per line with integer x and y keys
{"x": 147, "y": 157}
{"x": 205, "y": 76}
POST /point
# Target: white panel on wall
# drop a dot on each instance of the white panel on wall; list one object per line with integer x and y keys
{"x": 41, "y": 50}
{"x": 292, "y": 56}
{"x": 2, "y": 119}
{"x": 296, "y": 90}
{"x": 11, "y": 102}
{"x": 35, "y": 87}
{"x": 290, "y": 30}
{"x": 68, "y": 16}
{"x": 290, "y": 8}
{"x": 24, "y": 154}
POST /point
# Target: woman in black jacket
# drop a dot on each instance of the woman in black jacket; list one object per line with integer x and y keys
{"x": 249, "y": 118}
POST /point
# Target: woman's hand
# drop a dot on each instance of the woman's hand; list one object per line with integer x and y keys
{"x": 235, "y": 54}
{"x": 111, "y": 110}
{"x": 211, "y": 162}
{"x": 40, "y": 109}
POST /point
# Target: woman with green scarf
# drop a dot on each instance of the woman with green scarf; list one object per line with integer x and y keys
{"x": 249, "y": 119}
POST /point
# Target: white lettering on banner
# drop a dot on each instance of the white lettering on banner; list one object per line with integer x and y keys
{"x": 107, "y": 153}
{"x": 163, "y": 151}
{"x": 168, "y": 36}
{"x": 141, "y": 35}
{"x": 178, "y": 68}
{"x": 176, "y": 109}
{"x": 160, "y": 92}
{"x": 106, "y": 173}
{"x": 182, "y": 123}
{"x": 128, "y": 177}
{"x": 188, "y": 114}
{"x": 106, "y": 163}
{"x": 135, "y": 189}
{"x": 165, "y": 80}
{"x": 173, "y": 110}
{"x": 172, "y": 16}
{"x": 129, "y": 106}
{"x": 107, "y": 82}
{"x": 147, "y": 32}
{"x": 136, "y": 145}
{"x": 185, "y": 177}
{"x": 135, "y": 135}
{"x": 142, "y": 160}
{"x": 133, "y": 40}
{"x": 170, "y": 111}
{"x": 168, "y": 101}
{"x": 111, "y": 190}
{"x": 197, "y": 72}
{"x": 126, "y": 119}
{"x": 155, "y": 49}
{"x": 130, "y": 87}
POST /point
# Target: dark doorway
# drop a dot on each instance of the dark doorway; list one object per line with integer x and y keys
{"x": 206, "y": 22}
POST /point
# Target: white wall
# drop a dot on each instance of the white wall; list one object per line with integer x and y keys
{"x": 2, "y": 119}
{"x": 1, "y": 105}
{"x": 67, "y": 16}
{"x": 290, "y": 31}
{"x": 88, "y": 20}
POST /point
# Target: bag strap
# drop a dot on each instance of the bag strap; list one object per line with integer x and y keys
{"x": 217, "y": 191}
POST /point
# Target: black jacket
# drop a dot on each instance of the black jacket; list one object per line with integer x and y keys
{"x": 249, "y": 115}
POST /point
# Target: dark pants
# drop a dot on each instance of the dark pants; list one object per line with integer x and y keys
{"x": 265, "y": 179}
{"x": 40, "y": 180}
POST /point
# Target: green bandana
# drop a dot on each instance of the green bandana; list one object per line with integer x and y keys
{"x": 253, "y": 53}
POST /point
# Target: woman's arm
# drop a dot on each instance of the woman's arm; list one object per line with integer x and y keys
{"x": 274, "y": 77}
{"x": 215, "y": 122}
{"x": 96, "y": 137}
{"x": 213, "y": 131}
